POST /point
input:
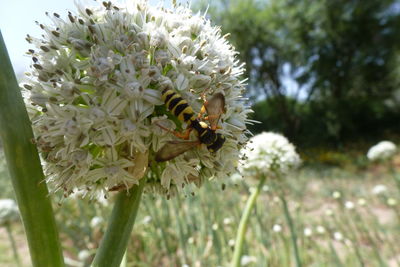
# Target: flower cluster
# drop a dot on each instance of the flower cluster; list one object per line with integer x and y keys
{"x": 270, "y": 153}
{"x": 94, "y": 96}
{"x": 9, "y": 211}
{"x": 382, "y": 151}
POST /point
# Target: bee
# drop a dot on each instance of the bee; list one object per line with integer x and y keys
{"x": 207, "y": 135}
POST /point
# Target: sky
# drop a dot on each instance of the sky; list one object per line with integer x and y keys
{"x": 17, "y": 19}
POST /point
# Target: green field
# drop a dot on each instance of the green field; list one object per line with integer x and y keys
{"x": 338, "y": 219}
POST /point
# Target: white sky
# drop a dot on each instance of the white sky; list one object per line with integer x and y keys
{"x": 17, "y": 18}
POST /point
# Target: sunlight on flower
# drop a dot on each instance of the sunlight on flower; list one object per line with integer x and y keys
{"x": 94, "y": 97}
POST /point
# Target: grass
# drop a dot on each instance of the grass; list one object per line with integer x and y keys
{"x": 357, "y": 228}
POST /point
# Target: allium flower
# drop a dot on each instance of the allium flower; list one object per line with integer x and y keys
{"x": 382, "y": 151}
{"x": 320, "y": 229}
{"x": 270, "y": 153}
{"x": 9, "y": 211}
{"x": 247, "y": 259}
{"x": 94, "y": 97}
{"x": 379, "y": 189}
{"x": 96, "y": 222}
{"x": 338, "y": 236}
{"x": 307, "y": 231}
{"x": 349, "y": 205}
{"x": 277, "y": 228}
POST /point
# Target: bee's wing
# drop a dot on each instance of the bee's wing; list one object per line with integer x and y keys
{"x": 215, "y": 107}
{"x": 173, "y": 149}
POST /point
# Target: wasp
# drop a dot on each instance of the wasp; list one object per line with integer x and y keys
{"x": 207, "y": 135}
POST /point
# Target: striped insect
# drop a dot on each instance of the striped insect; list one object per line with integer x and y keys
{"x": 207, "y": 135}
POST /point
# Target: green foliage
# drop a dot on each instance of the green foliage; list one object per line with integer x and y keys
{"x": 328, "y": 69}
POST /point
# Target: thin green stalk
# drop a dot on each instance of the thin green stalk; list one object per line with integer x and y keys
{"x": 292, "y": 230}
{"x": 13, "y": 245}
{"x": 26, "y": 171}
{"x": 115, "y": 240}
{"x": 237, "y": 254}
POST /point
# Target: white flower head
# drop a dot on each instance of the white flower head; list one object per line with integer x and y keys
{"x": 307, "y": 231}
{"x": 9, "y": 211}
{"x": 247, "y": 260}
{"x": 96, "y": 222}
{"x": 270, "y": 153}
{"x": 338, "y": 236}
{"x": 349, "y": 205}
{"x": 382, "y": 151}
{"x": 379, "y": 189}
{"x": 94, "y": 96}
{"x": 277, "y": 228}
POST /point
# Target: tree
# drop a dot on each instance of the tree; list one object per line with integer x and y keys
{"x": 339, "y": 56}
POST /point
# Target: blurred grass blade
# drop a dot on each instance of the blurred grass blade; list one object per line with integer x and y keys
{"x": 26, "y": 171}
{"x": 115, "y": 240}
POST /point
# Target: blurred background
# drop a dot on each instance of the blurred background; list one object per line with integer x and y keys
{"x": 325, "y": 74}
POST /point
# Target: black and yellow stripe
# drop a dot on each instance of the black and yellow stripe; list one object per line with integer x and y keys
{"x": 178, "y": 106}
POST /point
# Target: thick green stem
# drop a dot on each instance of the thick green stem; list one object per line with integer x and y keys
{"x": 26, "y": 171}
{"x": 237, "y": 254}
{"x": 13, "y": 244}
{"x": 115, "y": 240}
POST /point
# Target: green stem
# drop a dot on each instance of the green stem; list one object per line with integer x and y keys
{"x": 292, "y": 230}
{"x": 26, "y": 171}
{"x": 115, "y": 240}
{"x": 237, "y": 254}
{"x": 13, "y": 245}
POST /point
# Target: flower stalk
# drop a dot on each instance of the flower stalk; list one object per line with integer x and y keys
{"x": 115, "y": 240}
{"x": 237, "y": 254}
{"x": 13, "y": 244}
{"x": 26, "y": 171}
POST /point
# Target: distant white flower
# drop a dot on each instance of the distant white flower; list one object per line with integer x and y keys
{"x": 336, "y": 194}
{"x": 231, "y": 242}
{"x": 191, "y": 240}
{"x": 329, "y": 212}
{"x": 391, "y": 201}
{"x": 9, "y": 211}
{"x": 227, "y": 221}
{"x": 147, "y": 220}
{"x": 362, "y": 202}
{"x": 307, "y": 231}
{"x": 214, "y": 226}
{"x": 349, "y": 205}
{"x": 382, "y": 151}
{"x": 270, "y": 153}
{"x": 94, "y": 97}
{"x": 277, "y": 228}
{"x": 83, "y": 255}
{"x": 320, "y": 229}
{"x": 96, "y": 222}
{"x": 265, "y": 188}
{"x": 338, "y": 236}
{"x": 246, "y": 260}
{"x": 379, "y": 189}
